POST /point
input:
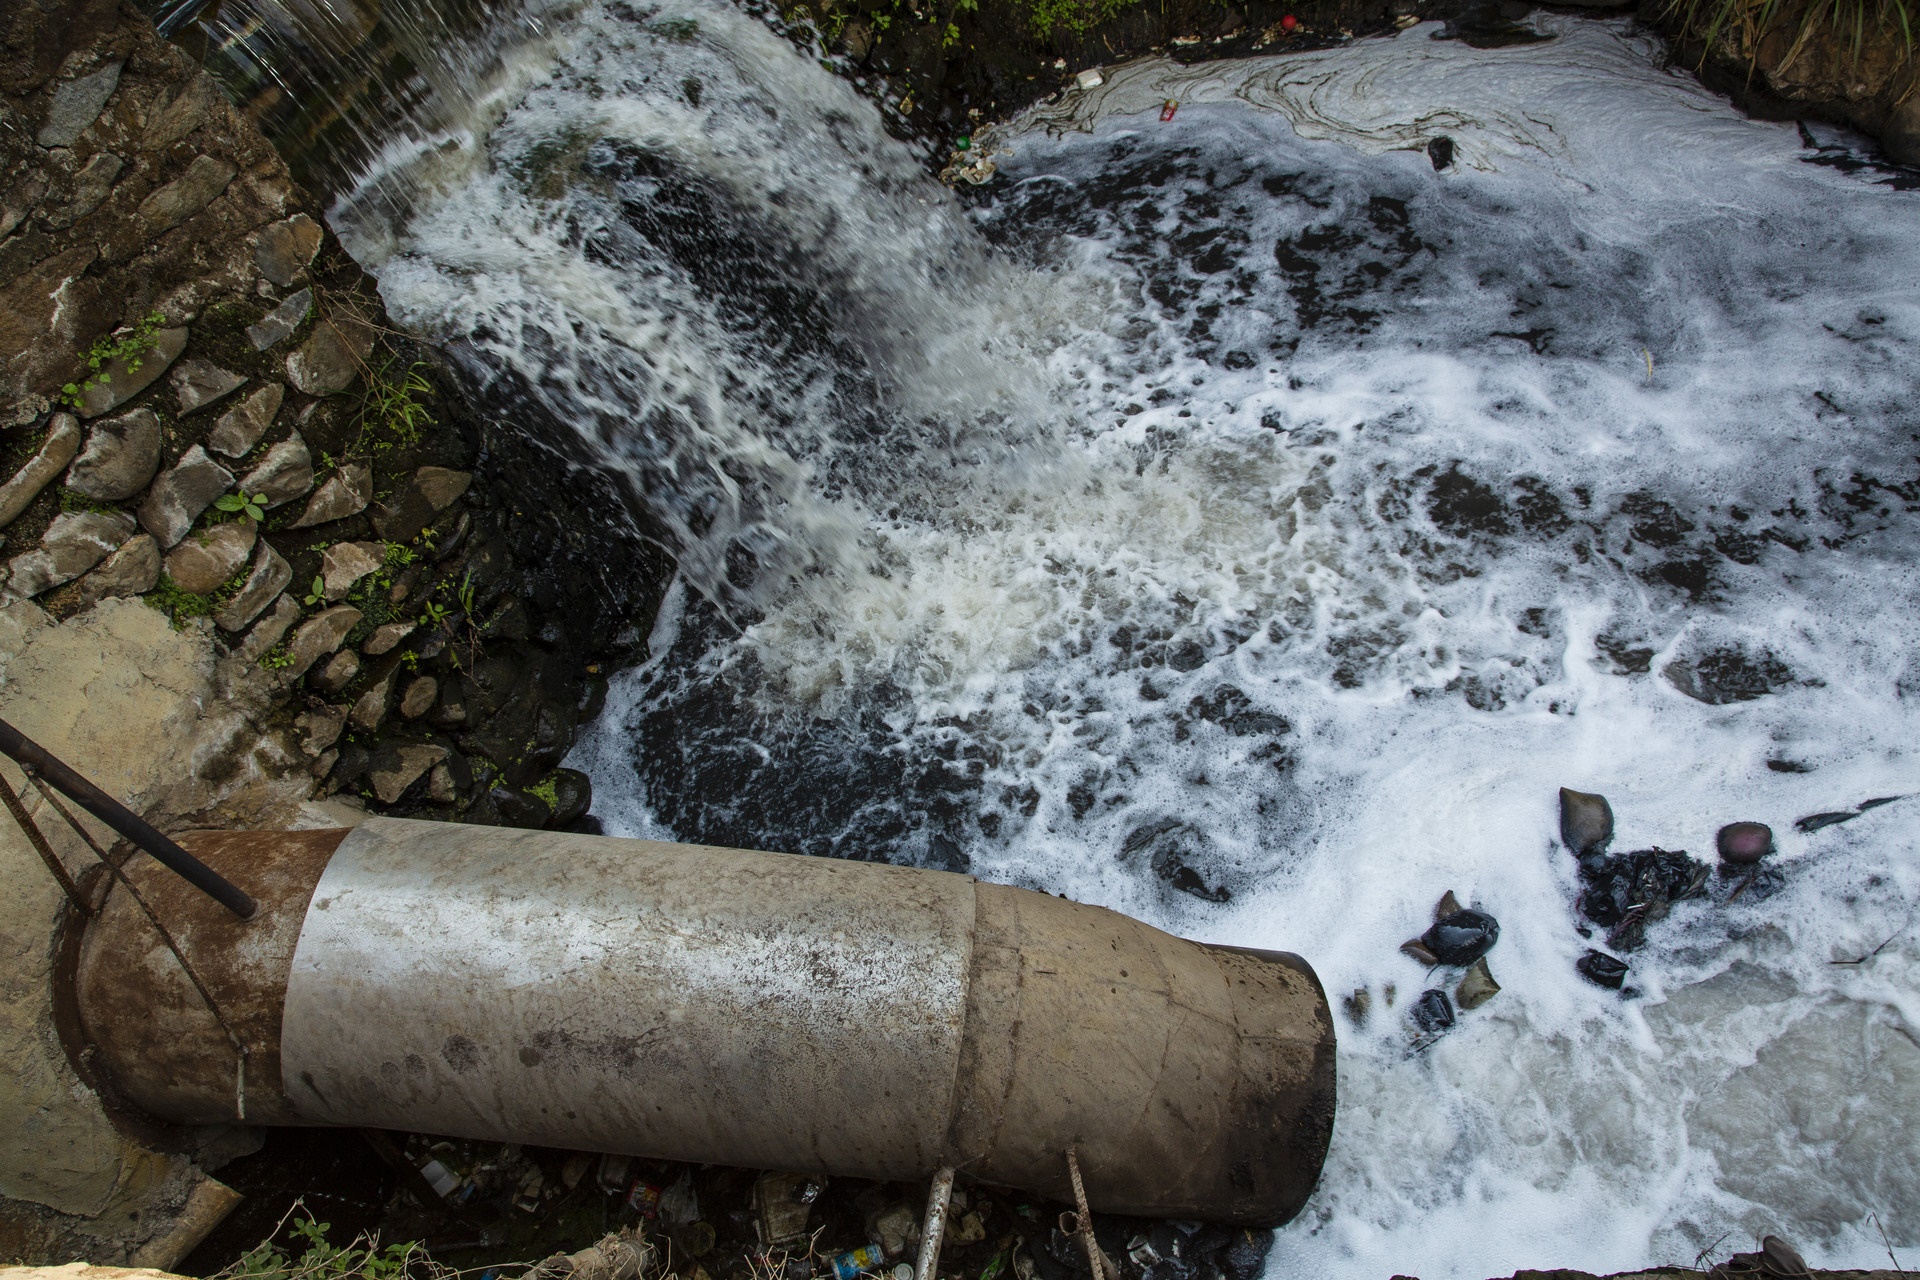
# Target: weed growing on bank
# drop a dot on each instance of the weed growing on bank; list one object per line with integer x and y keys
{"x": 1852, "y": 24}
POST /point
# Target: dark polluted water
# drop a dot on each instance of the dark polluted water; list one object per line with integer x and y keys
{"x": 1236, "y": 520}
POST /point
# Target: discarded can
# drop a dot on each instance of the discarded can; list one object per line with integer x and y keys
{"x": 1090, "y": 78}
{"x": 867, "y": 1257}
{"x": 643, "y": 1198}
{"x": 1166, "y": 112}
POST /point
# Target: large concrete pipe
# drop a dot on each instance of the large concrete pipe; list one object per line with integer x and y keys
{"x": 700, "y": 1004}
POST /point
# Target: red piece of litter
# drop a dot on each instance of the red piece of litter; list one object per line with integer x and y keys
{"x": 1166, "y": 112}
{"x": 1289, "y": 22}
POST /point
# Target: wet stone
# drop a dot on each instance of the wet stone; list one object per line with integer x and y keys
{"x": 337, "y": 674}
{"x": 118, "y": 382}
{"x": 179, "y": 496}
{"x": 74, "y": 543}
{"x": 284, "y": 474}
{"x": 241, "y": 427}
{"x": 318, "y": 636}
{"x": 278, "y": 325}
{"x": 345, "y": 493}
{"x": 370, "y": 711}
{"x": 186, "y": 111}
{"x": 284, "y": 249}
{"x": 133, "y": 570}
{"x": 270, "y": 630}
{"x": 1586, "y": 822}
{"x": 320, "y": 728}
{"x": 395, "y": 766}
{"x": 201, "y": 564}
{"x": 385, "y": 638}
{"x": 331, "y": 357}
{"x": 1743, "y": 843}
{"x": 120, "y": 458}
{"x": 186, "y": 195}
{"x": 1462, "y": 937}
{"x": 344, "y": 563}
{"x": 199, "y": 383}
{"x": 430, "y": 491}
{"x": 59, "y": 448}
{"x": 1602, "y": 969}
{"x": 268, "y": 578}
{"x": 419, "y": 697}
{"x": 76, "y": 104}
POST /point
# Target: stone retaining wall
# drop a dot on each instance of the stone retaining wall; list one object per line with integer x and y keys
{"x": 217, "y": 456}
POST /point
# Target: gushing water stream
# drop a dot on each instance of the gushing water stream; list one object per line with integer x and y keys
{"x": 1237, "y": 522}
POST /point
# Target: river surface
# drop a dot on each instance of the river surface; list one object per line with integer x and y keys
{"x": 1238, "y": 522}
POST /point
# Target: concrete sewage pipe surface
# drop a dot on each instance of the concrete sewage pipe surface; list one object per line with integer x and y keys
{"x": 715, "y": 1005}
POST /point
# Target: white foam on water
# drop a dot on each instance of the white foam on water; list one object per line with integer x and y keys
{"x": 1263, "y": 526}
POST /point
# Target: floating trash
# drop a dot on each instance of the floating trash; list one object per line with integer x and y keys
{"x": 1602, "y": 969}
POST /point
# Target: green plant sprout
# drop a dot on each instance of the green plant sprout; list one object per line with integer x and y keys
{"x": 317, "y": 593}
{"x": 253, "y": 506}
{"x": 391, "y": 411}
{"x": 131, "y": 347}
{"x": 434, "y": 613}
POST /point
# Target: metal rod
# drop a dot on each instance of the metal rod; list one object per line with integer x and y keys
{"x": 935, "y": 1225}
{"x": 40, "y": 846}
{"x": 31, "y": 755}
{"x": 1083, "y": 1216}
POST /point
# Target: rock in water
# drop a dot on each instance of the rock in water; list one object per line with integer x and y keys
{"x": 1447, "y": 905}
{"x": 1477, "y": 987}
{"x": 1432, "y": 1012}
{"x": 1586, "y": 822}
{"x": 1462, "y": 937}
{"x": 1742, "y": 843}
{"x": 1602, "y": 969}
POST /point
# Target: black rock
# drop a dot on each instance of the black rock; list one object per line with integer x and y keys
{"x": 573, "y": 796}
{"x": 1440, "y": 152}
{"x": 519, "y": 809}
{"x": 1462, "y": 937}
{"x": 1245, "y": 1257}
{"x": 1586, "y": 822}
{"x": 1432, "y": 1012}
{"x": 1602, "y": 969}
{"x": 1744, "y": 842}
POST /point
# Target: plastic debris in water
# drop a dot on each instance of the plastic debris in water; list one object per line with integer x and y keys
{"x": 1477, "y": 987}
{"x": 1166, "y": 112}
{"x": 1090, "y": 78}
{"x": 1462, "y": 937}
{"x": 867, "y": 1257}
{"x": 1602, "y": 969}
{"x": 1432, "y": 1013}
